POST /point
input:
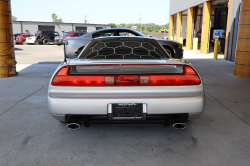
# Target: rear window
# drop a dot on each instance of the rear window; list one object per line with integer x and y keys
{"x": 66, "y": 34}
{"x": 75, "y": 34}
{"x": 124, "y": 50}
{"x": 82, "y": 33}
{"x": 103, "y": 34}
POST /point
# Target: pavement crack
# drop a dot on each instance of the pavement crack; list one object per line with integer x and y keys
{"x": 227, "y": 108}
{"x": 22, "y": 100}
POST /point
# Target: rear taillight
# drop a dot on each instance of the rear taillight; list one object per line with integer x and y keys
{"x": 188, "y": 77}
{"x": 63, "y": 78}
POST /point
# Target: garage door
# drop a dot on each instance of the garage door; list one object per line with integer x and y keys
{"x": 81, "y": 29}
{"x": 99, "y": 28}
{"x": 46, "y": 28}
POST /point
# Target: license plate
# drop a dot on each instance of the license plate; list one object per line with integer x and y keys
{"x": 127, "y": 111}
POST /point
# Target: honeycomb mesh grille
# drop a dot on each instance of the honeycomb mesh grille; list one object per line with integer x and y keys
{"x": 124, "y": 50}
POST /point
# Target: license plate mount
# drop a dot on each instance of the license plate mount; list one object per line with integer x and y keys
{"x": 127, "y": 111}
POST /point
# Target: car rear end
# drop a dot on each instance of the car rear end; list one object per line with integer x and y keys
{"x": 18, "y": 39}
{"x": 93, "y": 90}
{"x": 58, "y": 40}
{"x": 30, "y": 40}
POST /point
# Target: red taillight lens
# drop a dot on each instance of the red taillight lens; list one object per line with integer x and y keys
{"x": 188, "y": 77}
{"x": 62, "y": 78}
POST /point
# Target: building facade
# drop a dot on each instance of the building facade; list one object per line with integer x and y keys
{"x": 32, "y": 27}
{"x": 199, "y": 18}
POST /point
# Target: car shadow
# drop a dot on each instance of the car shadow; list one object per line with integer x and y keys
{"x": 18, "y": 49}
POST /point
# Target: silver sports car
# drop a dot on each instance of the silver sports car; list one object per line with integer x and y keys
{"x": 125, "y": 80}
{"x": 75, "y": 45}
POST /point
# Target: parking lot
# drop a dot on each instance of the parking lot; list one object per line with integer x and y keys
{"x": 30, "y": 136}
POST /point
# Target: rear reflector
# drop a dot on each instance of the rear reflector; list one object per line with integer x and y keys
{"x": 188, "y": 77}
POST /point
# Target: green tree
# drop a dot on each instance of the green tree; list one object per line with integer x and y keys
{"x": 14, "y": 18}
{"x": 55, "y": 18}
{"x": 151, "y": 27}
{"x": 145, "y": 30}
{"x": 113, "y": 25}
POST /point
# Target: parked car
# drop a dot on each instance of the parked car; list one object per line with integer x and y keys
{"x": 46, "y": 37}
{"x": 17, "y": 34}
{"x": 59, "y": 39}
{"x": 31, "y": 40}
{"x": 21, "y": 39}
{"x": 74, "y": 46}
{"x": 125, "y": 79}
{"x": 73, "y": 34}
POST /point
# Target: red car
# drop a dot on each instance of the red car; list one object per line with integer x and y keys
{"x": 73, "y": 34}
{"x": 21, "y": 39}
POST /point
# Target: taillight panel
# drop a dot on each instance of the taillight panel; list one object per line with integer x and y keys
{"x": 188, "y": 77}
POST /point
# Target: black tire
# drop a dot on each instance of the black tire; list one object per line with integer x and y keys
{"x": 170, "y": 51}
{"x": 24, "y": 42}
{"x": 58, "y": 44}
{"x": 46, "y": 41}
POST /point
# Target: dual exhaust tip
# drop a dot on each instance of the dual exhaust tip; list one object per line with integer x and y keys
{"x": 179, "y": 126}
{"x": 73, "y": 126}
{"x": 76, "y": 126}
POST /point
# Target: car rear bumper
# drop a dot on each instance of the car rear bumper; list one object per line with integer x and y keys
{"x": 58, "y": 41}
{"x": 95, "y": 100}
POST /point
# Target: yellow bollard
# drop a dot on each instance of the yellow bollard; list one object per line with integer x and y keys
{"x": 216, "y": 47}
{"x": 171, "y": 38}
{"x": 181, "y": 40}
{"x": 195, "y": 45}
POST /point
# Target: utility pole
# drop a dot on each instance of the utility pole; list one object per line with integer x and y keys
{"x": 141, "y": 22}
{"x": 7, "y": 55}
{"x": 85, "y": 20}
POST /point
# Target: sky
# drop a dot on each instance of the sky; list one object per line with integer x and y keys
{"x": 96, "y": 11}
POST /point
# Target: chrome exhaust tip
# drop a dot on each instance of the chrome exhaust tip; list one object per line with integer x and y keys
{"x": 179, "y": 126}
{"x": 73, "y": 126}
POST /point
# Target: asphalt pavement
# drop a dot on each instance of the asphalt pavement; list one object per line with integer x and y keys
{"x": 30, "y": 136}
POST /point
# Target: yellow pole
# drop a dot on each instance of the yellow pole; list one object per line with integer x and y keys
{"x": 171, "y": 24}
{"x": 195, "y": 45}
{"x": 178, "y": 27}
{"x": 189, "y": 29}
{"x": 181, "y": 40}
{"x": 7, "y": 60}
{"x": 216, "y": 46}
{"x": 205, "y": 27}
